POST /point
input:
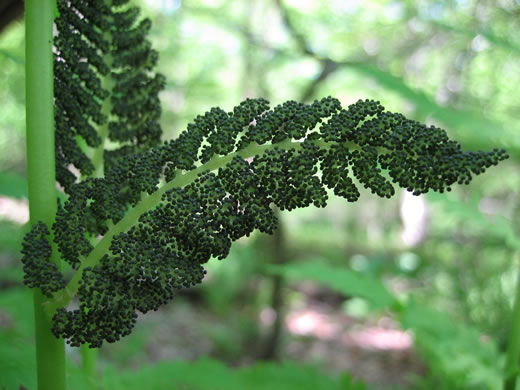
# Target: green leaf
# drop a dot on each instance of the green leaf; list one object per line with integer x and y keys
{"x": 469, "y": 212}
{"x": 11, "y": 236}
{"x": 17, "y": 361}
{"x": 287, "y": 375}
{"x": 457, "y": 355}
{"x": 341, "y": 279}
{"x": 13, "y": 185}
{"x": 209, "y": 374}
{"x": 348, "y": 382}
{"x": 15, "y": 303}
{"x": 13, "y": 57}
{"x": 17, "y": 354}
{"x": 56, "y": 10}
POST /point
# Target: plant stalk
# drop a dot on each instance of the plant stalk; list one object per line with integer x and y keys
{"x": 39, "y": 17}
{"x": 271, "y": 349}
{"x": 89, "y": 365}
{"x": 513, "y": 347}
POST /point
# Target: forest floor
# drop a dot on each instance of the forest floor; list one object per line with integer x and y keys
{"x": 373, "y": 350}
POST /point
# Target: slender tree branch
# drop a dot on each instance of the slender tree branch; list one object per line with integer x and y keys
{"x": 328, "y": 67}
{"x": 302, "y": 43}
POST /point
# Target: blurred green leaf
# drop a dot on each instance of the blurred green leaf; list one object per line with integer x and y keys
{"x": 230, "y": 276}
{"x": 11, "y": 276}
{"x": 341, "y": 279}
{"x": 209, "y": 374}
{"x": 17, "y": 353}
{"x": 11, "y": 236}
{"x": 12, "y": 56}
{"x": 469, "y": 212}
{"x": 348, "y": 382}
{"x": 458, "y": 356}
{"x": 288, "y": 375}
{"x": 13, "y": 185}
{"x": 130, "y": 351}
{"x": 17, "y": 360}
{"x": 17, "y": 302}
{"x": 18, "y": 364}
{"x": 17, "y": 348}
{"x": 56, "y": 10}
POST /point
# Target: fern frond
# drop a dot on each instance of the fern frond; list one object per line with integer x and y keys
{"x": 194, "y": 195}
{"x": 105, "y": 87}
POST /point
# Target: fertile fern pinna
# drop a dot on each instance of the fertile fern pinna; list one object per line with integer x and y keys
{"x": 163, "y": 209}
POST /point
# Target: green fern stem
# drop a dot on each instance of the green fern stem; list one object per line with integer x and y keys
{"x": 148, "y": 202}
{"x": 39, "y": 16}
{"x": 89, "y": 365}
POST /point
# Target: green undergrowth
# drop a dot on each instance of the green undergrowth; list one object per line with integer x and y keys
{"x": 208, "y": 374}
{"x": 458, "y": 356}
{"x": 17, "y": 365}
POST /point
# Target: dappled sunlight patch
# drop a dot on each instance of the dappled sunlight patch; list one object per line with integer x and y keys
{"x": 312, "y": 322}
{"x": 379, "y": 338}
{"x": 14, "y": 210}
{"x": 309, "y": 322}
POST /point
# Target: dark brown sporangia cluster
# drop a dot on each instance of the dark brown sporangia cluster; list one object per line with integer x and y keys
{"x": 339, "y": 149}
{"x": 95, "y": 42}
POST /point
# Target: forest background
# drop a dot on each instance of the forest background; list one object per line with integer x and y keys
{"x": 313, "y": 292}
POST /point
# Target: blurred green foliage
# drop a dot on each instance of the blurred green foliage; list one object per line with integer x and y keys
{"x": 13, "y": 185}
{"x": 12, "y": 98}
{"x": 347, "y": 282}
{"x": 450, "y": 63}
{"x": 17, "y": 365}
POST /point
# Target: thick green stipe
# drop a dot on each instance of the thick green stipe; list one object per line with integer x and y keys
{"x": 50, "y": 352}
